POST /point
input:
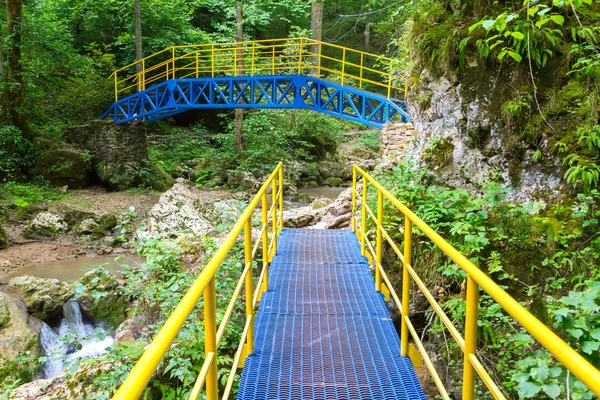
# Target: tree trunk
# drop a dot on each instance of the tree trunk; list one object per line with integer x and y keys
{"x": 138, "y": 34}
{"x": 367, "y": 32}
{"x": 239, "y": 112}
{"x": 316, "y": 25}
{"x": 13, "y": 97}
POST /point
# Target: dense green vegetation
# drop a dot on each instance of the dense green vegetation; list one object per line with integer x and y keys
{"x": 545, "y": 56}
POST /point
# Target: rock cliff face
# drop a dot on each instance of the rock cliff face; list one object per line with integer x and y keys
{"x": 466, "y": 137}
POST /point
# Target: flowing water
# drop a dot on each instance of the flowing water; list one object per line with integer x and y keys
{"x": 80, "y": 340}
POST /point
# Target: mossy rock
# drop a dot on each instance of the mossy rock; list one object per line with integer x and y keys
{"x": 333, "y": 181}
{"x": 43, "y": 297}
{"x": 46, "y": 225}
{"x": 89, "y": 228}
{"x": 133, "y": 174}
{"x": 101, "y": 297}
{"x": 3, "y": 239}
{"x": 108, "y": 221}
{"x": 62, "y": 164}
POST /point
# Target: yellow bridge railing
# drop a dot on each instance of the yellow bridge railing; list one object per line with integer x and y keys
{"x": 271, "y": 225}
{"x": 476, "y": 279}
{"x": 290, "y": 56}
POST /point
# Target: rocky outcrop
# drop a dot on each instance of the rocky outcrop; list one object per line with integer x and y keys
{"x": 43, "y": 297}
{"x": 17, "y": 338}
{"x": 90, "y": 229}
{"x": 46, "y": 225}
{"x": 3, "y": 239}
{"x": 119, "y": 154}
{"x": 61, "y": 163}
{"x": 335, "y": 215}
{"x": 86, "y": 222}
{"x": 178, "y": 211}
{"x": 102, "y": 297}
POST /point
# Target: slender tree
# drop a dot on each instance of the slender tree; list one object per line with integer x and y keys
{"x": 316, "y": 25}
{"x": 138, "y": 34}
{"x": 13, "y": 96}
{"x": 239, "y": 36}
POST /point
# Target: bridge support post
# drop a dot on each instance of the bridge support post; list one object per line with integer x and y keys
{"x": 249, "y": 288}
{"x": 378, "y": 241}
{"x": 468, "y": 390}
{"x": 363, "y": 218}
{"x": 274, "y": 217}
{"x": 281, "y": 198}
{"x": 354, "y": 199}
{"x": 406, "y": 287}
{"x": 210, "y": 338}
{"x": 265, "y": 242}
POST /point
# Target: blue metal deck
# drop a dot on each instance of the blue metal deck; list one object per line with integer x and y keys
{"x": 322, "y": 331}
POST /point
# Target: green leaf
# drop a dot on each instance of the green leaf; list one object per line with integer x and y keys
{"x": 541, "y": 372}
{"x": 516, "y": 56}
{"x": 590, "y": 347}
{"x": 595, "y": 334}
{"x": 575, "y": 333}
{"x": 517, "y": 35}
{"x": 488, "y": 23}
{"x": 528, "y": 389}
{"x": 558, "y": 19}
{"x": 551, "y": 389}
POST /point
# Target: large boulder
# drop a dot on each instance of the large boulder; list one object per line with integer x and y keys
{"x": 90, "y": 229}
{"x": 43, "y": 297}
{"x": 3, "y": 239}
{"x": 18, "y": 339}
{"x": 102, "y": 297}
{"x": 177, "y": 212}
{"x": 75, "y": 215}
{"x": 62, "y": 164}
{"x": 46, "y": 225}
{"x": 332, "y": 169}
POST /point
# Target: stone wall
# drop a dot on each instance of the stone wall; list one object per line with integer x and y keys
{"x": 396, "y": 140}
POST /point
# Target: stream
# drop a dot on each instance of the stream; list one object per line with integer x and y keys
{"x": 84, "y": 340}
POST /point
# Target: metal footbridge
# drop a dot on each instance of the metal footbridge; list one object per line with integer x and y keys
{"x": 292, "y": 73}
{"x": 316, "y": 322}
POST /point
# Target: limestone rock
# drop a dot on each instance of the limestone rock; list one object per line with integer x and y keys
{"x": 17, "y": 337}
{"x": 102, "y": 297}
{"x": 74, "y": 215}
{"x": 62, "y": 164}
{"x": 89, "y": 228}
{"x": 332, "y": 169}
{"x": 320, "y": 203}
{"x": 42, "y": 297}
{"x": 177, "y": 212}
{"x": 46, "y": 225}
{"x": 3, "y": 239}
{"x": 333, "y": 181}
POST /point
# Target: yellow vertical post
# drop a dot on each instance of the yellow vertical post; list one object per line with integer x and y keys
{"x": 143, "y": 74}
{"x": 273, "y": 216}
{"x": 173, "y": 58}
{"x": 273, "y": 62}
{"x": 281, "y": 197}
{"x": 406, "y": 286}
{"x": 389, "y": 92}
{"x": 210, "y": 338}
{"x": 354, "y": 198}
{"x": 319, "y": 60}
{"x": 360, "y": 80}
{"x": 343, "y": 64}
{"x": 378, "y": 241}
{"x": 405, "y": 87}
{"x": 116, "y": 88}
{"x": 249, "y": 288}
{"x": 468, "y": 390}
{"x": 212, "y": 60}
{"x": 300, "y": 58}
{"x": 363, "y": 217}
{"x": 252, "y": 67}
{"x": 197, "y": 64}
{"x": 235, "y": 60}
{"x": 265, "y": 241}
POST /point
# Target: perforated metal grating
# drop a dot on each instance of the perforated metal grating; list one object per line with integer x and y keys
{"x": 322, "y": 331}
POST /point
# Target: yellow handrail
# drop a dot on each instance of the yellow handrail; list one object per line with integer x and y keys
{"x": 287, "y": 56}
{"x": 140, "y": 375}
{"x": 476, "y": 279}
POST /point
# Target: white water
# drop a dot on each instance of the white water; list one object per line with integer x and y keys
{"x": 83, "y": 340}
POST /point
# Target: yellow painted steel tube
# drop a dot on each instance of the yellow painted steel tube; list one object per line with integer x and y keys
{"x": 238, "y": 356}
{"x": 280, "y": 194}
{"x": 210, "y": 338}
{"x": 578, "y": 365}
{"x": 378, "y": 241}
{"x": 265, "y": 241}
{"x": 249, "y": 288}
{"x": 231, "y": 305}
{"x": 201, "y": 377}
{"x": 406, "y": 286}
{"x": 363, "y": 221}
{"x": 468, "y": 388}
{"x": 486, "y": 378}
{"x": 138, "y": 378}
{"x": 353, "y": 199}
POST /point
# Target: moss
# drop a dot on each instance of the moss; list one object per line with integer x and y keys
{"x": 333, "y": 181}
{"x": 3, "y": 239}
{"x": 438, "y": 153}
{"x": 102, "y": 298}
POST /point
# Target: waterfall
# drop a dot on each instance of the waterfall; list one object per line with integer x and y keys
{"x": 80, "y": 340}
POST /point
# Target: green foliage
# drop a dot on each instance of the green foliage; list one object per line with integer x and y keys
{"x": 21, "y": 193}
{"x": 15, "y": 152}
{"x": 584, "y": 168}
{"x": 370, "y": 139}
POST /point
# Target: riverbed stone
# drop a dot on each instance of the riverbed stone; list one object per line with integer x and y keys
{"x": 46, "y": 225}
{"x": 333, "y": 181}
{"x": 3, "y": 239}
{"x": 102, "y": 297}
{"x": 17, "y": 337}
{"x": 89, "y": 228}
{"x": 43, "y": 297}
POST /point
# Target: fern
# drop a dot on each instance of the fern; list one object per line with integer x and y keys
{"x": 582, "y": 171}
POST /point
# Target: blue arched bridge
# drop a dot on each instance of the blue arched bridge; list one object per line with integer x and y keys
{"x": 295, "y": 73}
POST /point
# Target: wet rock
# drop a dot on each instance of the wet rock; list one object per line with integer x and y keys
{"x": 74, "y": 215}
{"x": 320, "y": 203}
{"x": 335, "y": 182}
{"x": 3, "y": 239}
{"x": 177, "y": 212}
{"x": 17, "y": 338}
{"x": 332, "y": 169}
{"x": 46, "y": 225}
{"x": 42, "y": 297}
{"x": 102, "y": 297}
{"x": 90, "y": 229}
{"x": 335, "y": 215}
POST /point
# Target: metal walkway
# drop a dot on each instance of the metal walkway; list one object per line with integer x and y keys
{"x": 322, "y": 331}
